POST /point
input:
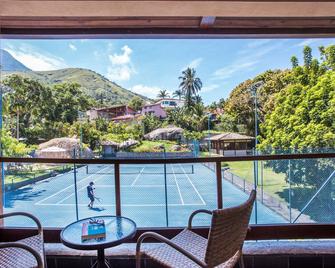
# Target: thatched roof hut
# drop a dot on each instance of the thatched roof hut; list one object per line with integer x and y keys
{"x": 67, "y": 147}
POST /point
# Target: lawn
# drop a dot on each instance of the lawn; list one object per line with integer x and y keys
{"x": 15, "y": 176}
{"x": 274, "y": 183}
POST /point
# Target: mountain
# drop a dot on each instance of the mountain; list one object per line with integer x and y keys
{"x": 9, "y": 63}
{"x": 92, "y": 83}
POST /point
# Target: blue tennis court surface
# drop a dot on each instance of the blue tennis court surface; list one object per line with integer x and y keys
{"x": 189, "y": 187}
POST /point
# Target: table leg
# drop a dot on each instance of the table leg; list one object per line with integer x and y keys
{"x": 101, "y": 262}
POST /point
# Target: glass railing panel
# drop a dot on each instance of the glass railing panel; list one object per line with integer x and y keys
{"x": 95, "y": 190}
{"x": 144, "y": 193}
{"x": 192, "y": 187}
{"x": 239, "y": 178}
{"x": 312, "y": 190}
{"x": 44, "y": 190}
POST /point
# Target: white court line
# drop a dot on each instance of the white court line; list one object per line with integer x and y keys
{"x": 60, "y": 191}
{"x": 138, "y": 175}
{"x": 175, "y": 179}
{"x": 78, "y": 190}
{"x": 137, "y": 186}
{"x": 125, "y": 205}
{"x": 195, "y": 189}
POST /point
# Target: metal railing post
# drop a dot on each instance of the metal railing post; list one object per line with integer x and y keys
{"x": 165, "y": 191}
{"x": 255, "y": 186}
{"x": 289, "y": 191}
{"x": 117, "y": 189}
{"x": 75, "y": 189}
{"x": 262, "y": 181}
{"x": 219, "y": 185}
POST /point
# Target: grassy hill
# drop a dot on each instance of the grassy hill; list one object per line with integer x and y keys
{"x": 92, "y": 83}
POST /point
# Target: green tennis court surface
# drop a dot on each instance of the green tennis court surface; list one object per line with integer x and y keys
{"x": 188, "y": 187}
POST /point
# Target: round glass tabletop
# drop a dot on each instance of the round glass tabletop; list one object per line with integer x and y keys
{"x": 118, "y": 229}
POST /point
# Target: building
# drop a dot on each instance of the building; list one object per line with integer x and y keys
{"x": 155, "y": 109}
{"x": 170, "y": 103}
{"x": 229, "y": 144}
{"x": 109, "y": 112}
{"x": 158, "y": 109}
{"x": 126, "y": 118}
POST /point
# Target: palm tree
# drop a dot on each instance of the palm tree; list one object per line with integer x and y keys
{"x": 190, "y": 85}
{"x": 178, "y": 93}
{"x": 163, "y": 94}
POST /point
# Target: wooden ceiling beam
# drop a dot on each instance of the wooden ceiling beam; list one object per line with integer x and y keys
{"x": 176, "y": 8}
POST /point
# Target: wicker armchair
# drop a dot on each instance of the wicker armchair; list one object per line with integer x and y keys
{"x": 27, "y": 252}
{"x": 223, "y": 248}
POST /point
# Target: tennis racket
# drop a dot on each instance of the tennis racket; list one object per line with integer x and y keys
{"x": 98, "y": 199}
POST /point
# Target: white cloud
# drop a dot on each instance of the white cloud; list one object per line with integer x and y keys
{"x": 121, "y": 68}
{"x": 35, "y": 59}
{"x": 209, "y": 88}
{"x": 258, "y": 43}
{"x": 123, "y": 58}
{"x": 245, "y": 61}
{"x": 148, "y": 91}
{"x": 193, "y": 64}
{"x": 72, "y": 47}
{"x": 307, "y": 42}
{"x": 236, "y": 67}
{"x": 119, "y": 73}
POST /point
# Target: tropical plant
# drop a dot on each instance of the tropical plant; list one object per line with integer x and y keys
{"x": 190, "y": 85}
{"x": 163, "y": 93}
{"x": 136, "y": 103}
{"x": 178, "y": 94}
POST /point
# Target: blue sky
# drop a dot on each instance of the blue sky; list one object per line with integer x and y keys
{"x": 148, "y": 65}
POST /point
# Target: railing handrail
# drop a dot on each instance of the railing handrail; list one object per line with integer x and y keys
{"x": 167, "y": 160}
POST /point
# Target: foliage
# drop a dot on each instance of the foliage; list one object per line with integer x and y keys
{"x": 136, "y": 103}
{"x": 190, "y": 85}
{"x": 12, "y": 147}
{"x": 194, "y": 118}
{"x": 178, "y": 94}
{"x": 227, "y": 123}
{"x": 150, "y": 123}
{"x": 37, "y": 111}
{"x": 303, "y": 119}
{"x": 193, "y": 135}
{"x": 163, "y": 94}
{"x": 120, "y": 132}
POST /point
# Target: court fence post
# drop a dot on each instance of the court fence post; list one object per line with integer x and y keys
{"x": 219, "y": 185}
{"x": 117, "y": 189}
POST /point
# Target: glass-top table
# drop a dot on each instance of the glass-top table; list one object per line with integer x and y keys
{"x": 118, "y": 230}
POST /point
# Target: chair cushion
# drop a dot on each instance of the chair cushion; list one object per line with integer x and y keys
{"x": 20, "y": 258}
{"x": 191, "y": 242}
{"x": 186, "y": 239}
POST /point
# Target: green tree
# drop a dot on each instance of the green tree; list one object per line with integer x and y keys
{"x": 190, "y": 85}
{"x": 163, "y": 94}
{"x": 150, "y": 123}
{"x": 136, "y": 103}
{"x": 307, "y": 56}
{"x": 294, "y": 62}
{"x": 178, "y": 94}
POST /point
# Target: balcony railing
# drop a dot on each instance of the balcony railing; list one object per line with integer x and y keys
{"x": 160, "y": 193}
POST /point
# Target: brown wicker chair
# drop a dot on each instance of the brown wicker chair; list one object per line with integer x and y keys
{"x": 223, "y": 248}
{"x": 27, "y": 252}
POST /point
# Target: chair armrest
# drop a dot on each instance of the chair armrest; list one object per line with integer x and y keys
{"x": 24, "y": 247}
{"x": 28, "y": 215}
{"x": 189, "y": 226}
{"x": 168, "y": 242}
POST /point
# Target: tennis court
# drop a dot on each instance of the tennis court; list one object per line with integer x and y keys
{"x": 188, "y": 187}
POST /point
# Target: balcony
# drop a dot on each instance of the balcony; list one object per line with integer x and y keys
{"x": 294, "y": 199}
